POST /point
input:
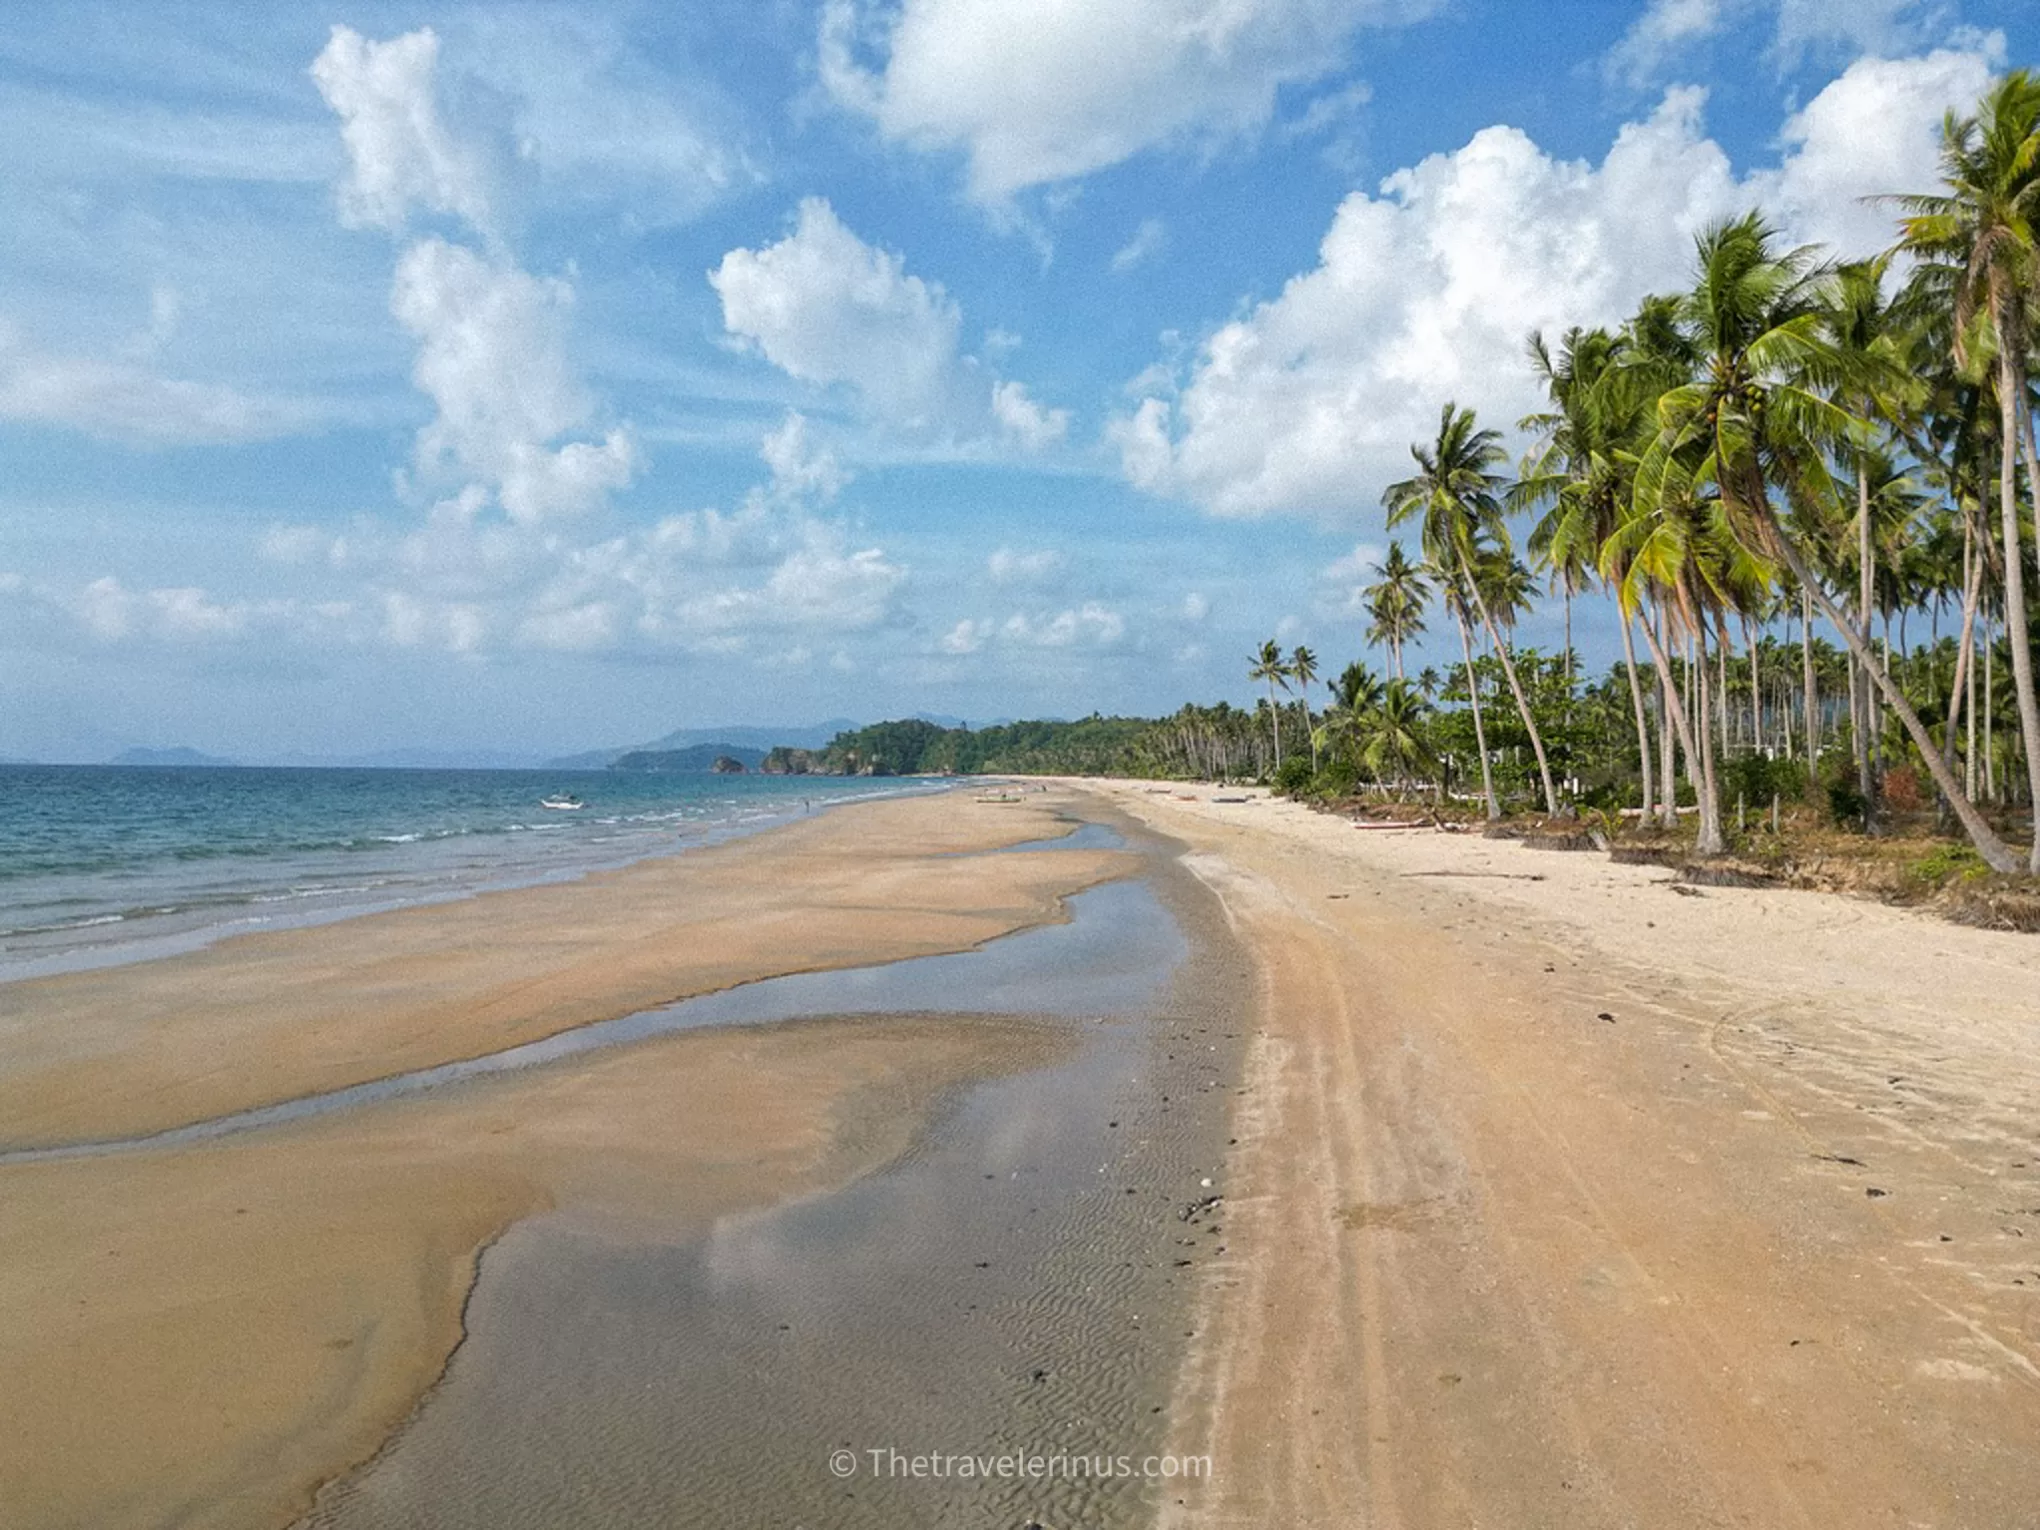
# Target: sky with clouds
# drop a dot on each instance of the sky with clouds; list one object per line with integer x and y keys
{"x": 532, "y": 378}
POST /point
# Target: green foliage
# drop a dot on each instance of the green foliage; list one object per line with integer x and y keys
{"x": 1338, "y": 779}
{"x": 1294, "y": 776}
{"x": 1092, "y": 745}
{"x": 1949, "y": 862}
{"x": 1756, "y": 779}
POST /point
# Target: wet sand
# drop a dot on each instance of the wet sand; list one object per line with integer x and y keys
{"x": 200, "y": 1336}
{"x": 1564, "y": 1199}
{"x": 124, "y": 1051}
{"x": 1017, "y": 1281}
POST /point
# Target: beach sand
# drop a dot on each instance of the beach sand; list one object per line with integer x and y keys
{"x": 200, "y": 1336}
{"x": 129, "y": 1050}
{"x": 1556, "y": 1197}
{"x": 1565, "y": 1199}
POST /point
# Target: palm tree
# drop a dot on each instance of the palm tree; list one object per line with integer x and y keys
{"x": 1458, "y": 496}
{"x": 1452, "y": 591}
{"x": 1864, "y": 331}
{"x": 1355, "y": 694}
{"x": 1394, "y": 739}
{"x": 1760, "y": 418}
{"x": 1978, "y": 236}
{"x": 1395, "y": 604}
{"x": 1303, "y": 669}
{"x": 1269, "y": 665}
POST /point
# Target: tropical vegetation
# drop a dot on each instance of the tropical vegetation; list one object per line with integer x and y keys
{"x": 1805, "y": 488}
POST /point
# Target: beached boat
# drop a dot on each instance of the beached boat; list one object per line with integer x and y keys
{"x": 562, "y": 802}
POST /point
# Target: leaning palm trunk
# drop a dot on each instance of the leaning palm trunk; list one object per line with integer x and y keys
{"x": 1636, "y": 701}
{"x": 1710, "y": 841}
{"x": 1994, "y": 851}
{"x": 1487, "y": 773}
{"x": 1515, "y": 688}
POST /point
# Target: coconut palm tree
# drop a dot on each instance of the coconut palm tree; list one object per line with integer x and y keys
{"x": 1458, "y": 497}
{"x": 1760, "y": 418}
{"x": 1303, "y": 667}
{"x": 1394, "y": 743}
{"x": 1865, "y": 329}
{"x": 1269, "y": 665}
{"x": 1452, "y": 590}
{"x": 1977, "y": 238}
{"x": 1395, "y": 604}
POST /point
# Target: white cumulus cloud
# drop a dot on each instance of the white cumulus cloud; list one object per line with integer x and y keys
{"x": 1425, "y": 290}
{"x": 1037, "y": 91}
{"x": 400, "y": 150}
{"x": 492, "y": 356}
{"x": 827, "y": 308}
{"x": 824, "y": 306}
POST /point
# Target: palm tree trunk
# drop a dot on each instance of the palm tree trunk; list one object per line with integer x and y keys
{"x": 1756, "y": 689}
{"x": 1636, "y": 701}
{"x": 1960, "y": 687}
{"x": 1721, "y": 702}
{"x": 1862, "y": 709}
{"x": 2011, "y": 394}
{"x": 1994, "y": 851}
{"x": 1711, "y": 841}
{"x": 1515, "y": 688}
{"x": 1568, "y": 639}
{"x": 1487, "y": 773}
{"x": 1275, "y": 721}
{"x": 1810, "y": 689}
{"x": 1990, "y": 788}
{"x": 1710, "y": 828}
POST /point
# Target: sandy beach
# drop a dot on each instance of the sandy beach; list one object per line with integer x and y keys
{"x": 201, "y": 1336}
{"x": 1566, "y": 1198}
{"x": 1553, "y": 1195}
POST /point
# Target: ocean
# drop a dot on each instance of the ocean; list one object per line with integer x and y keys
{"x": 102, "y": 864}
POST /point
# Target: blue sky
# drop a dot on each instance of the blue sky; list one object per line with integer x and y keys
{"x": 533, "y": 378}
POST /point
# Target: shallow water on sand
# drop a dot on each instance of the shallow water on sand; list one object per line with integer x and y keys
{"x": 1116, "y": 947}
{"x": 1011, "y": 1286}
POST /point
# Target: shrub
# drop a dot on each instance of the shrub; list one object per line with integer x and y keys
{"x": 1294, "y": 775}
{"x": 1338, "y": 779}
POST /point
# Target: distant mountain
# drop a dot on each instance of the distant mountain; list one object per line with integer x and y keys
{"x": 810, "y": 736}
{"x": 178, "y": 756}
{"x": 695, "y": 757}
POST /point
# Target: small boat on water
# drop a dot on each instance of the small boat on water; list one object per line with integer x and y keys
{"x": 562, "y": 802}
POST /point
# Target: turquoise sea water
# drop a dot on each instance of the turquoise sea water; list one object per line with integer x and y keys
{"x": 106, "y": 863}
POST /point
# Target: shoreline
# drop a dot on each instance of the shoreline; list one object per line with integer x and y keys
{"x": 129, "y": 1051}
{"x": 66, "y": 961}
{"x": 315, "y": 1320}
